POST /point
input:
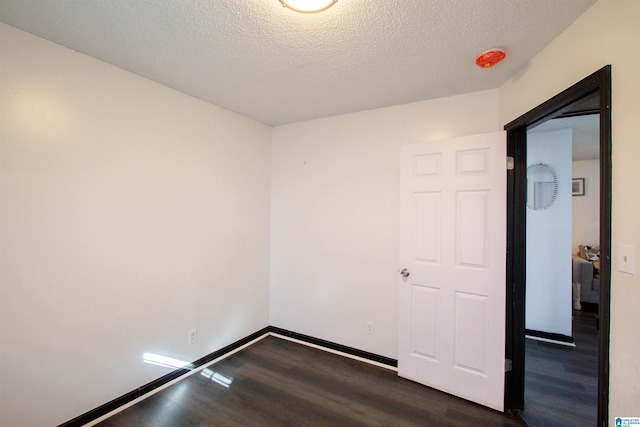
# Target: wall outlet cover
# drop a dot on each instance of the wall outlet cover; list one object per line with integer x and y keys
{"x": 193, "y": 336}
{"x": 627, "y": 260}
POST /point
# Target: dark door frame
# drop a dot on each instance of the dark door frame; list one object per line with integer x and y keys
{"x": 598, "y": 82}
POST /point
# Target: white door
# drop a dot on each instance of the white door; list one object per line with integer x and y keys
{"x": 453, "y": 242}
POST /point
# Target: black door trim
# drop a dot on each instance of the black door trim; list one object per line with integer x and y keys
{"x": 598, "y": 82}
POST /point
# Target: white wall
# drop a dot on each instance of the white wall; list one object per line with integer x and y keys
{"x": 548, "y": 300}
{"x": 608, "y": 33}
{"x": 131, "y": 213}
{"x": 335, "y": 215}
{"x": 586, "y": 209}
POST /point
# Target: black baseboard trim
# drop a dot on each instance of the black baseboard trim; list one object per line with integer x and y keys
{"x": 98, "y": 412}
{"x": 549, "y": 336}
{"x": 337, "y": 347}
{"x": 116, "y": 403}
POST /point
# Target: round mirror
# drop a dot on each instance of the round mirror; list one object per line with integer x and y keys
{"x": 542, "y": 186}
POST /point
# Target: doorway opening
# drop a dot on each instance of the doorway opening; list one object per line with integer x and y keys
{"x": 596, "y": 86}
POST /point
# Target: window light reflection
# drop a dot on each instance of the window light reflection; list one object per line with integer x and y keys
{"x": 169, "y": 362}
{"x": 217, "y": 377}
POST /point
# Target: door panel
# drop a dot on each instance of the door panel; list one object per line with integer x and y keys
{"x": 424, "y": 323}
{"x": 453, "y": 223}
{"x": 426, "y": 220}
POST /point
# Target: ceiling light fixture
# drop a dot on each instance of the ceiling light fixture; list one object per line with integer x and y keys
{"x": 308, "y": 6}
{"x": 491, "y": 57}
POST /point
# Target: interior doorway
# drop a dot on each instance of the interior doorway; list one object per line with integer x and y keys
{"x": 597, "y": 85}
{"x": 562, "y": 289}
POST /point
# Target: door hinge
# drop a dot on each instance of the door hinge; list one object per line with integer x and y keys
{"x": 508, "y": 365}
{"x": 510, "y": 163}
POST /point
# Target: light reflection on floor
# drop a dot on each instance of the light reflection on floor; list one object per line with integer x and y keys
{"x": 217, "y": 377}
{"x": 169, "y": 362}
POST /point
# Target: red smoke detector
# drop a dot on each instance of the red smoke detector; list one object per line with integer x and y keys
{"x": 491, "y": 57}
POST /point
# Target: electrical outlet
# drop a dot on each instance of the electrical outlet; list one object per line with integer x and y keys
{"x": 370, "y": 329}
{"x": 627, "y": 262}
{"x": 193, "y": 336}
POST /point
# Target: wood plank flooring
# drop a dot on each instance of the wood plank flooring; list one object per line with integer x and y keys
{"x": 561, "y": 383}
{"x": 276, "y": 382}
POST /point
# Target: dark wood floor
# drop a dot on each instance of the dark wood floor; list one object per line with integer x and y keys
{"x": 561, "y": 383}
{"x": 279, "y": 383}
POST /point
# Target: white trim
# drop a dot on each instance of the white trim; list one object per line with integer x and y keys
{"x": 566, "y": 344}
{"x": 170, "y": 383}
{"x": 200, "y": 368}
{"x": 340, "y": 353}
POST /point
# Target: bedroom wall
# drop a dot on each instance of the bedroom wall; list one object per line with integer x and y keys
{"x": 548, "y": 299}
{"x": 607, "y": 33}
{"x": 335, "y": 215}
{"x": 131, "y": 213}
{"x": 586, "y": 209}
{"x": 119, "y": 136}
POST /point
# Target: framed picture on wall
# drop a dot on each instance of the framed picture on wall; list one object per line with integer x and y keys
{"x": 577, "y": 187}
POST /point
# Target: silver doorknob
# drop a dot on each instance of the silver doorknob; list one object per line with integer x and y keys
{"x": 405, "y": 272}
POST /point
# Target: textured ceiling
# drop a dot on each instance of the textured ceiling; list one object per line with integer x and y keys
{"x": 277, "y": 66}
